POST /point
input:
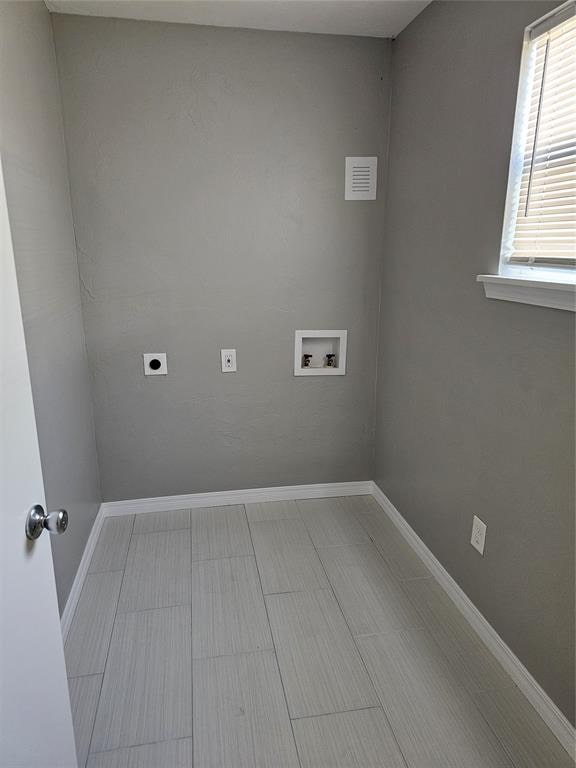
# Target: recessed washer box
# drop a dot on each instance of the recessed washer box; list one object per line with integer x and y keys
{"x": 320, "y": 353}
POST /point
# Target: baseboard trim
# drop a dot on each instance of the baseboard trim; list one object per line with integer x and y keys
{"x": 532, "y": 690}
{"x": 247, "y": 496}
{"x": 78, "y": 583}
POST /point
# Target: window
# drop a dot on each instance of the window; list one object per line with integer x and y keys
{"x": 538, "y": 255}
{"x": 540, "y": 220}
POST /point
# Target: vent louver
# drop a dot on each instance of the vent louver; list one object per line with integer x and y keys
{"x": 361, "y": 177}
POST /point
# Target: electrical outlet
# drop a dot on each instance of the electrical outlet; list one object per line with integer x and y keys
{"x": 478, "y": 534}
{"x": 228, "y": 357}
{"x": 155, "y": 364}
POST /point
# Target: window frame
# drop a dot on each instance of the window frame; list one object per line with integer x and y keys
{"x": 556, "y": 273}
{"x": 539, "y": 284}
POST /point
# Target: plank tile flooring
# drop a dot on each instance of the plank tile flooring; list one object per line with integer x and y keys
{"x": 284, "y": 635}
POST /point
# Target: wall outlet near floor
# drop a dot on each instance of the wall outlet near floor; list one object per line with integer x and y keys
{"x": 228, "y": 360}
{"x": 478, "y": 534}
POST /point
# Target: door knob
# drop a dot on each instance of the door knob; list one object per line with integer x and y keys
{"x": 37, "y": 520}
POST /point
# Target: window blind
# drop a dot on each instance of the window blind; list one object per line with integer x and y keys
{"x": 541, "y": 226}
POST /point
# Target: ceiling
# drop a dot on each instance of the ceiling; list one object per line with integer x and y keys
{"x": 367, "y": 18}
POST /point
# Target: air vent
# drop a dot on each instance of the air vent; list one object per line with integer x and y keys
{"x": 361, "y": 176}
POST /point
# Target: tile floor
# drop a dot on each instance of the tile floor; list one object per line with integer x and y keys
{"x": 284, "y": 635}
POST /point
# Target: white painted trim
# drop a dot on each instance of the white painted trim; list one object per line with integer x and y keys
{"x": 78, "y": 583}
{"x": 542, "y": 703}
{"x": 541, "y": 293}
{"x": 224, "y": 498}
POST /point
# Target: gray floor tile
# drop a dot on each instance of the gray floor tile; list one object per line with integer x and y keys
{"x": 164, "y": 754}
{"x": 433, "y": 717}
{"x": 89, "y": 636}
{"x": 271, "y": 510}
{"x": 361, "y": 739}
{"x": 84, "y": 695}
{"x": 522, "y": 731}
{"x": 220, "y": 532}
{"x": 146, "y": 693}
{"x": 470, "y": 660}
{"x": 240, "y": 717}
{"x": 331, "y": 523}
{"x": 112, "y": 547}
{"x": 401, "y": 558}
{"x": 371, "y": 598}
{"x": 152, "y": 522}
{"x": 365, "y": 504}
{"x": 446, "y": 698}
{"x": 286, "y": 557}
{"x": 157, "y": 571}
{"x": 228, "y": 611}
{"x": 320, "y": 666}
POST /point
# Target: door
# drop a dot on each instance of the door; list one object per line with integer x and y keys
{"x": 35, "y": 718}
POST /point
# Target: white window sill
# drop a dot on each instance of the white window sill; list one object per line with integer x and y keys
{"x": 541, "y": 293}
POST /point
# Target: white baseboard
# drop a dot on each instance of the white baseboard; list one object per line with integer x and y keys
{"x": 532, "y": 690}
{"x": 248, "y": 496}
{"x": 78, "y": 583}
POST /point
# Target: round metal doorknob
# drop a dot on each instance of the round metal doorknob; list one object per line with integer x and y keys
{"x": 37, "y": 520}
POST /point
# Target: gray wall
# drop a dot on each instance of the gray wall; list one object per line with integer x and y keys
{"x": 475, "y": 397}
{"x": 206, "y": 169}
{"x": 34, "y": 158}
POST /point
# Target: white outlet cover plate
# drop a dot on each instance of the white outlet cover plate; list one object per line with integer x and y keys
{"x": 478, "y": 538}
{"x": 228, "y": 359}
{"x": 161, "y": 357}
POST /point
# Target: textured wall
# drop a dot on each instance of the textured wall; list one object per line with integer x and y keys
{"x": 34, "y": 159}
{"x": 207, "y": 182}
{"x": 475, "y": 406}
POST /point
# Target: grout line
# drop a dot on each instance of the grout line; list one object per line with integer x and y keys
{"x": 140, "y": 744}
{"x": 391, "y": 565}
{"x": 404, "y": 758}
{"x": 392, "y": 631}
{"x": 273, "y": 643}
{"x": 95, "y": 573}
{"x": 147, "y": 610}
{"x": 109, "y": 570}
{"x": 296, "y": 591}
{"x": 339, "y": 712}
{"x": 109, "y": 641}
{"x": 224, "y": 557}
{"x": 270, "y": 649}
{"x": 162, "y": 530}
{"x": 73, "y": 619}
{"x": 90, "y": 674}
